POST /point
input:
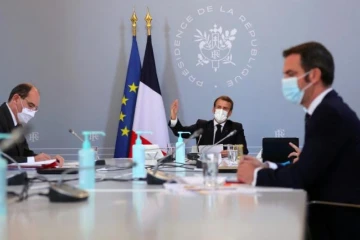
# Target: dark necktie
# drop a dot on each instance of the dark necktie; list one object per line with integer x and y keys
{"x": 307, "y": 118}
{"x": 218, "y": 133}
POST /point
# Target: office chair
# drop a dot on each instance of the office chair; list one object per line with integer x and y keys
{"x": 333, "y": 220}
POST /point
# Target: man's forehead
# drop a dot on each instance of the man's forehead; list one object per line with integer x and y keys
{"x": 34, "y": 96}
{"x": 222, "y": 102}
{"x": 292, "y": 62}
{"x": 34, "y": 92}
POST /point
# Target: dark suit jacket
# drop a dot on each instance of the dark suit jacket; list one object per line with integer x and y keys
{"x": 207, "y": 137}
{"x": 20, "y": 151}
{"x": 328, "y": 166}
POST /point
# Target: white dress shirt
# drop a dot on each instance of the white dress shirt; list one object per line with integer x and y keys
{"x": 174, "y": 122}
{"x": 313, "y": 105}
{"x": 29, "y": 159}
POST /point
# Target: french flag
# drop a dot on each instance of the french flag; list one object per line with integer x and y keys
{"x": 149, "y": 109}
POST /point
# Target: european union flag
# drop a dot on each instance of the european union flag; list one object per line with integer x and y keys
{"x": 128, "y": 102}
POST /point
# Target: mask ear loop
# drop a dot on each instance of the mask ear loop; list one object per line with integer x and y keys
{"x": 308, "y": 85}
{"x": 17, "y": 110}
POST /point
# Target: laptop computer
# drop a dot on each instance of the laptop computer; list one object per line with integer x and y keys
{"x": 278, "y": 149}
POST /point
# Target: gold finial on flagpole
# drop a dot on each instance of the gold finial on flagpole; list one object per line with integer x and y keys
{"x": 134, "y": 20}
{"x": 148, "y": 19}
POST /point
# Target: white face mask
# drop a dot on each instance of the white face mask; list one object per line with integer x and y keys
{"x": 25, "y": 115}
{"x": 220, "y": 115}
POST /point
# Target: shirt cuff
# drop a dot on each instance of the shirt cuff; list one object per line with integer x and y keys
{"x": 272, "y": 165}
{"x": 173, "y": 122}
{"x": 255, "y": 176}
{"x": 30, "y": 159}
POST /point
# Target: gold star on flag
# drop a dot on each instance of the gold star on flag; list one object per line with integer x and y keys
{"x": 124, "y": 100}
{"x": 133, "y": 87}
{"x": 125, "y": 131}
{"x": 122, "y": 116}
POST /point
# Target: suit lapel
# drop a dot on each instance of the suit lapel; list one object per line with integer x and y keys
{"x": 329, "y": 95}
{"x": 8, "y": 118}
{"x": 226, "y": 130}
{"x": 11, "y": 126}
{"x": 210, "y": 130}
{"x": 20, "y": 145}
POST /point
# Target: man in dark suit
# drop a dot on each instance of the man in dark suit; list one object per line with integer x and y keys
{"x": 21, "y": 107}
{"x": 329, "y": 163}
{"x": 215, "y": 129}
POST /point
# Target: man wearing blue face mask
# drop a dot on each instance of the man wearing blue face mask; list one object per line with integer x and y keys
{"x": 22, "y": 105}
{"x": 328, "y": 165}
{"x": 215, "y": 129}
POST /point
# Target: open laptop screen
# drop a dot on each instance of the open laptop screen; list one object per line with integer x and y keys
{"x": 277, "y": 149}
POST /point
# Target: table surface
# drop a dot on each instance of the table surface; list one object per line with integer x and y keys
{"x": 135, "y": 210}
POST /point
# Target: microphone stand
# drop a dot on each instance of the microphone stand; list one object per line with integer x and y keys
{"x": 15, "y": 136}
{"x": 205, "y": 150}
{"x": 155, "y": 178}
{"x": 98, "y": 162}
{"x": 19, "y": 178}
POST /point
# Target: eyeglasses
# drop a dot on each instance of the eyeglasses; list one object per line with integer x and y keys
{"x": 31, "y": 105}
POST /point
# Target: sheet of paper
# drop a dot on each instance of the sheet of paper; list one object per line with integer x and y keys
{"x": 34, "y": 164}
{"x": 191, "y": 189}
{"x": 211, "y": 148}
{"x": 198, "y": 180}
{"x": 196, "y": 188}
{"x": 70, "y": 164}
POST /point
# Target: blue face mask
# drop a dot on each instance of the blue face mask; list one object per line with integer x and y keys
{"x": 291, "y": 90}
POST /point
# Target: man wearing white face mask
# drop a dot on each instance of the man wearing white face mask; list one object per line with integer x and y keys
{"x": 21, "y": 107}
{"x": 215, "y": 129}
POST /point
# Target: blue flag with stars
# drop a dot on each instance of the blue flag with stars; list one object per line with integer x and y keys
{"x": 128, "y": 102}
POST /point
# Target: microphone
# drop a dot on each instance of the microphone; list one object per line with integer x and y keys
{"x": 194, "y": 135}
{"x": 19, "y": 178}
{"x": 206, "y": 149}
{"x": 128, "y": 164}
{"x": 98, "y": 162}
{"x": 197, "y": 144}
{"x": 63, "y": 192}
{"x": 16, "y": 136}
{"x": 152, "y": 177}
{"x": 75, "y": 134}
{"x": 232, "y": 133}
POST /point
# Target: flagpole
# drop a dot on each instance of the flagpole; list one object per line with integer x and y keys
{"x": 148, "y": 19}
{"x": 125, "y": 132}
{"x": 134, "y": 19}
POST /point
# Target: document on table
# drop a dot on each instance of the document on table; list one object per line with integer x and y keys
{"x": 32, "y": 165}
{"x": 194, "y": 185}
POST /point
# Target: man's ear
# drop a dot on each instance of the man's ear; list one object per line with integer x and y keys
{"x": 15, "y": 98}
{"x": 315, "y": 75}
{"x": 229, "y": 114}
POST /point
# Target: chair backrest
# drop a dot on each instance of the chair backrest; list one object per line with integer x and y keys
{"x": 277, "y": 149}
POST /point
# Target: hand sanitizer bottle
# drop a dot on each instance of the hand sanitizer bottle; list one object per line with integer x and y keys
{"x": 3, "y": 181}
{"x": 138, "y": 152}
{"x": 180, "y": 149}
{"x": 87, "y": 162}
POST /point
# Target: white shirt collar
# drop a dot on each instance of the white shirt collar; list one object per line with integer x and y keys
{"x": 216, "y": 123}
{"x": 12, "y": 115}
{"x": 313, "y": 105}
